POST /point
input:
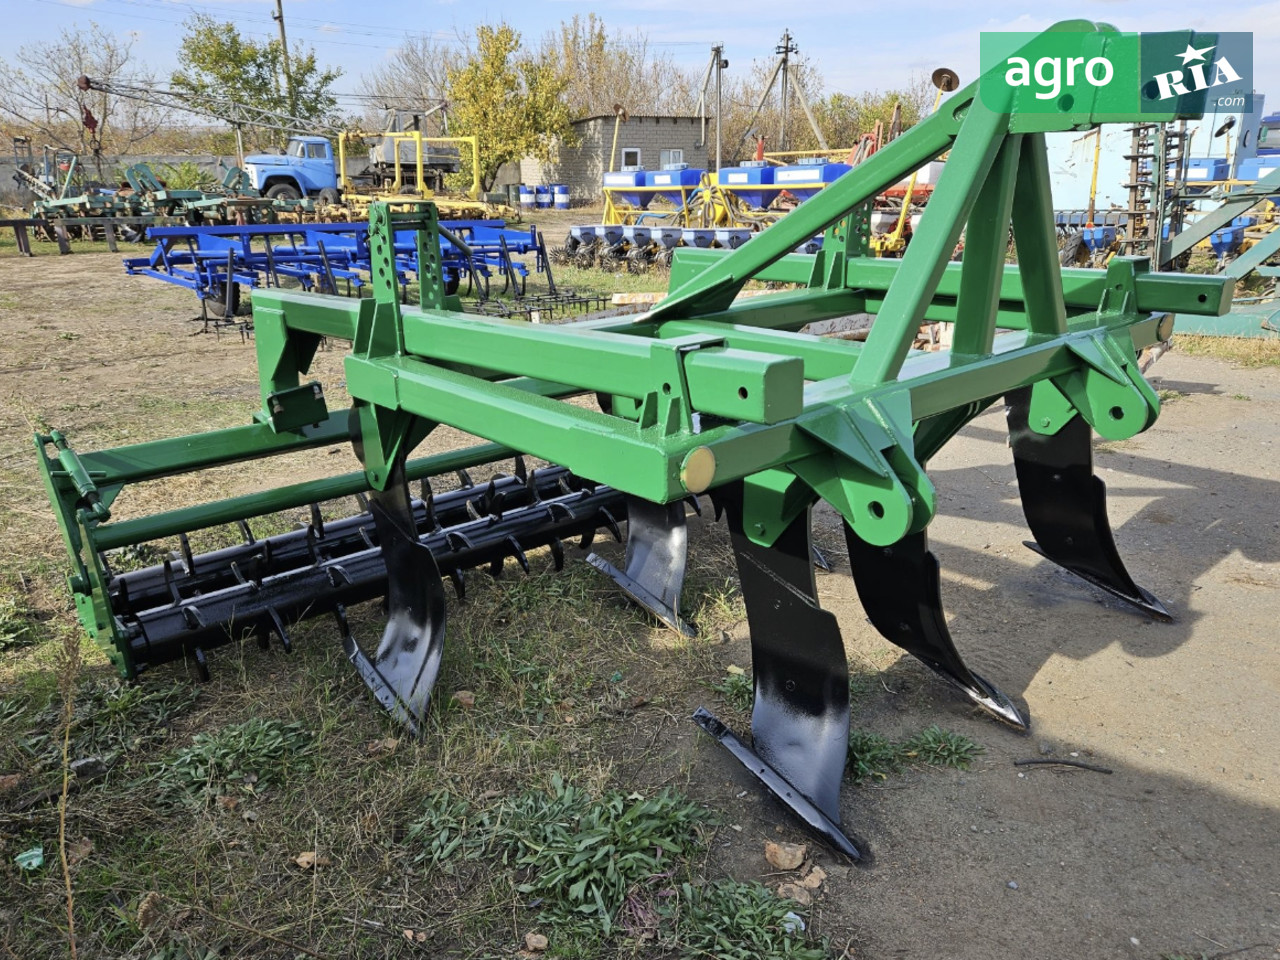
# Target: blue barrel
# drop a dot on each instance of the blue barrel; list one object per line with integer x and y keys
{"x": 526, "y": 197}
{"x": 560, "y": 195}
{"x": 542, "y": 197}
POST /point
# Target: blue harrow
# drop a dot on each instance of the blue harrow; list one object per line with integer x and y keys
{"x": 216, "y": 261}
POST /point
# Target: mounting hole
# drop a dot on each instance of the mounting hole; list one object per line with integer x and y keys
{"x": 1117, "y": 413}
{"x": 1119, "y": 286}
{"x": 742, "y": 392}
{"x": 877, "y": 509}
{"x": 1203, "y": 298}
{"x": 666, "y": 388}
{"x": 1066, "y": 102}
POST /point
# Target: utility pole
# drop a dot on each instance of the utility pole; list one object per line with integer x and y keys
{"x": 717, "y": 52}
{"x": 278, "y": 16}
{"x": 785, "y": 49}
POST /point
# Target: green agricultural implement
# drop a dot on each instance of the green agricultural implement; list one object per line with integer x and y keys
{"x": 705, "y": 394}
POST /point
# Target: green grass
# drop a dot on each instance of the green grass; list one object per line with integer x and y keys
{"x": 615, "y": 867}
{"x": 875, "y": 757}
{"x": 1240, "y": 351}
{"x": 247, "y": 757}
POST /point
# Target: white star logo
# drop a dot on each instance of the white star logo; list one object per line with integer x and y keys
{"x": 1191, "y": 53}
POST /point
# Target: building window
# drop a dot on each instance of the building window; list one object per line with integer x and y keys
{"x": 668, "y": 157}
{"x": 631, "y": 156}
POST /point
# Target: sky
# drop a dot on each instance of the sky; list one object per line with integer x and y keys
{"x": 856, "y": 46}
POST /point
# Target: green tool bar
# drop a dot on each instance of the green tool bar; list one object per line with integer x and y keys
{"x": 940, "y": 382}
{"x": 757, "y": 387}
{"x": 646, "y": 463}
{"x": 127, "y": 532}
{"x": 165, "y": 458}
{"x": 607, "y": 449}
{"x": 318, "y": 313}
{"x": 822, "y": 357}
{"x": 1203, "y": 296}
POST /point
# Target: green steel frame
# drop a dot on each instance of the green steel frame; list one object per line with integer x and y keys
{"x": 709, "y": 393}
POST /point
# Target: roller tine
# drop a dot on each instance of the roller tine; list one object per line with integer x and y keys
{"x": 253, "y": 585}
{"x": 490, "y": 495}
{"x": 425, "y": 488}
{"x": 557, "y": 553}
{"x": 496, "y": 565}
{"x": 611, "y": 524}
{"x": 246, "y": 532}
{"x": 367, "y": 538}
{"x": 587, "y": 539}
{"x": 459, "y": 581}
{"x": 174, "y": 595}
{"x": 473, "y": 511}
{"x": 106, "y": 567}
{"x": 202, "y": 665}
{"x": 363, "y": 502}
{"x": 521, "y": 471}
{"x": 464, "y": 479}
{"x": 693, "y": 501}
{"x": 193, "y": 617}
{"x": 429, "y": 504}
{"x": 312, "y": 547}
{"x": 517, "y": 551}
{"x": 268, "y": 557}
{"x": 122, "y": 594}
{"x": 496, "y": 504}
{"x": 457, "y": 541}
{"x": 188, "y": 560}
{"x": 317, "y": 521}
{"x": 276, "y": 623}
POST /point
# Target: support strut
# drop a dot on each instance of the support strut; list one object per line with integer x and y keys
{"x": 403, "y": 671}
{"x": 657, "y": 552}
{"x": 900, "y": 590}
{"x": 1066, "y": 504}
{"x": 800, "y": 717}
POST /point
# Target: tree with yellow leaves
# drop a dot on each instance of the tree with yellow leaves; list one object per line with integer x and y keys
{"x": 513, "y": 102}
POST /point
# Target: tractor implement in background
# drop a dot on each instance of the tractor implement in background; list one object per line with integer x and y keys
{"x": 708, "y": 394}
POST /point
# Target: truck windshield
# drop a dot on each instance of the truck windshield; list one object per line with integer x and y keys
{"x": 296, "y": 148}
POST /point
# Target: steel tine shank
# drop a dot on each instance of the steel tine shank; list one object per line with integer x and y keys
{"x": 800, "y": 717}
{"x": 900, "y": 590}
{"x": 1066, "y": 504}
{"x": 657, "y": 552}
{"x": 407, "y": 661}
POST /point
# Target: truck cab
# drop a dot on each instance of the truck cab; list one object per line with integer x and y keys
{"x": 305, "y": 169}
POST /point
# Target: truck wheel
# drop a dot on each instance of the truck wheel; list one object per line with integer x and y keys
{"x": 329, "y": 197}
{"x": 284, "y": 191}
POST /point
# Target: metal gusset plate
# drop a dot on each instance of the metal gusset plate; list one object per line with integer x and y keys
{"x": 800, "y": 717}
{"x": 657, "y": 552}
{"x": 900, "y": 590}
{"x": 1066, "y": 505}
{"x": 403, "y": 671}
